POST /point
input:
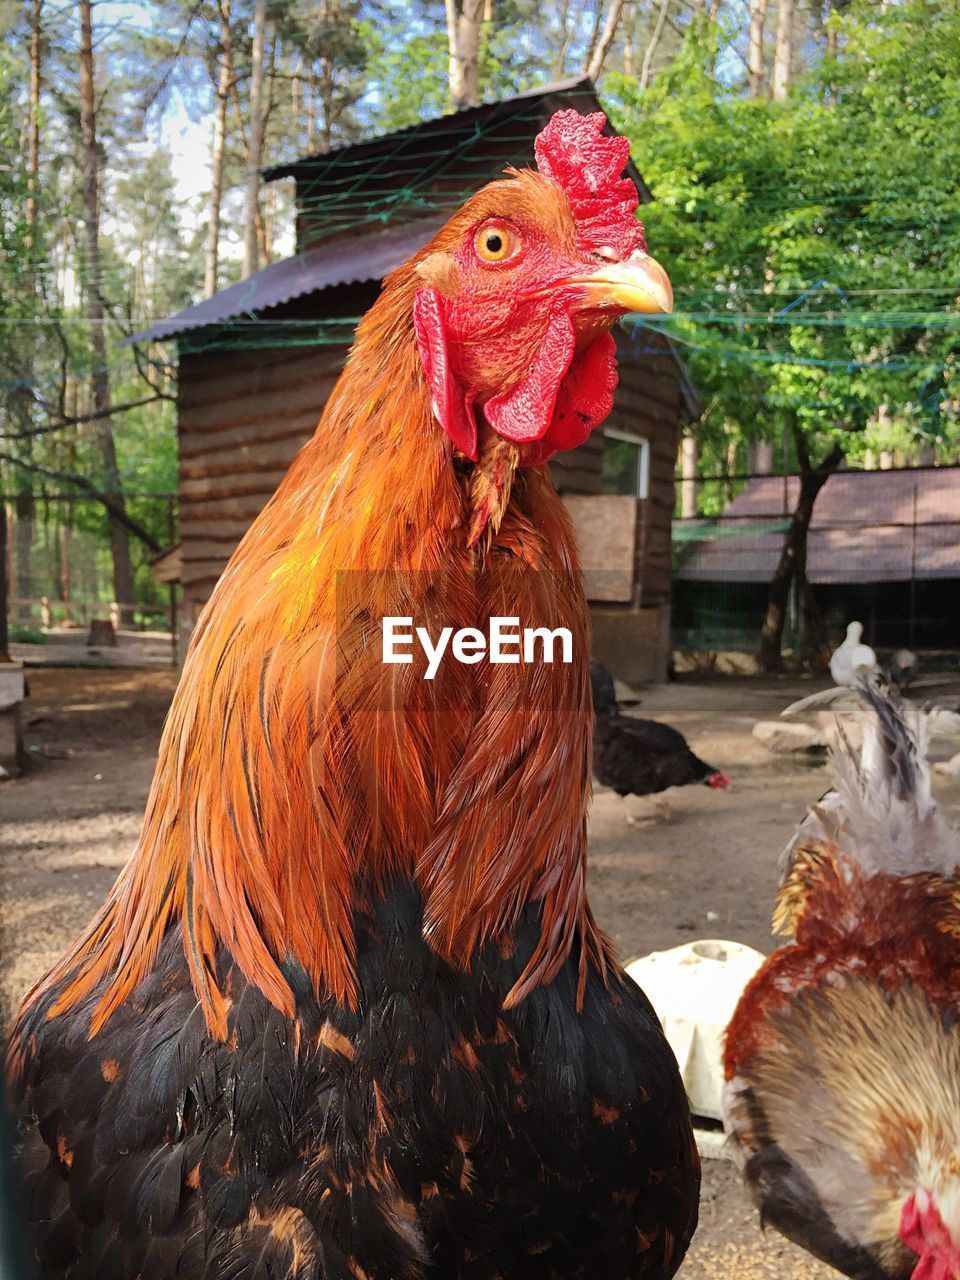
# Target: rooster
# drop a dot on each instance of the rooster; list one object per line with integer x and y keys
{"x": 843, "y": 1056}
{"x": 346, "y": 1012}
{"x": 637, "y": 757}
{"x": 903, "y": 669}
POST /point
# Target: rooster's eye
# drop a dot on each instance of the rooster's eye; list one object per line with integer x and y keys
{"x": 495, "y": 242}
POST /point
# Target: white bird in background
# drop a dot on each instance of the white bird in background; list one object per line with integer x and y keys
{"x": 852, "y": 659}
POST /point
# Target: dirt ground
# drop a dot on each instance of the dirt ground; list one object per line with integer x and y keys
{"x": 67, "y": 826}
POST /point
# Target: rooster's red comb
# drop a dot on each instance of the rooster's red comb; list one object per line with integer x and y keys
{"x": 573, "y": 152}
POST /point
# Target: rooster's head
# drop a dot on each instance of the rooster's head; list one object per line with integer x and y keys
{"x": 516, "y": 295}
{"x": 932, "y": 1230}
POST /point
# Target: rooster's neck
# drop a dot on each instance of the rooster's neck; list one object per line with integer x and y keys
{"x": 297, "y": 773}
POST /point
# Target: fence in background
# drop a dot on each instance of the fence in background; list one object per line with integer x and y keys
{"x": 59, "y": 566}
{"x": 884, "y": 548}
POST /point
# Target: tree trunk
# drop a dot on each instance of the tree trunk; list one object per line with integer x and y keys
{"x": 594, "y": 33}
{"x": 463, "y": 43}
{"x": 689, "y": 465}
{"x": 646, "y": 69}
{"x": 814, "y": 640}
{"x": 730, "y": 462}
{"x": 755, "y": 63}
{"x": 4, "y": 641}
{"x": 760, "y": 458}
{"x": 100, "y": 380}
{"x": 783, "y": 58}
{"x": 66, "y": 529}
{"x": 793, "y": 557}
{"x": 326, "y": 87}
{"x": 265, "y": 226}
{"x": 326, "y": 84}
{"x": 563, "y": 44}
{"x": 595, "y": 65}
{"x": 24, "y": 509}
{"x": 33, "y": 146}
{"x": 830, "y": 56}
{"x": 244, "y": 138}
{"x": 255, "y": 146}
{"x": 25, "y": 504}
{"x": 311, "y": 95}
{"x": 212, "y": 256}
{"x": 629, "y": 34}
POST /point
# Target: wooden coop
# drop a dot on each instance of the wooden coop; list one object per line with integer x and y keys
{"x": 258, "y": 360}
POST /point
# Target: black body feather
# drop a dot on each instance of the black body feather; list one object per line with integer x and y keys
{"x": 639, "y": 757}
{"x": 431, "y": 1135}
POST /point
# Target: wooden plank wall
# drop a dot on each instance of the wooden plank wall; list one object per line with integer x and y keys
{"x": 648, "y": 403}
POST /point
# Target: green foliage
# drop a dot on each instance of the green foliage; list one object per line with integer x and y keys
{"x": 814, "y": 245}
{"x": 149, "y": 266}
{"x": 407, "y": 55}
{"x": 22, "y": 633}
{"x": 407, "y": 71}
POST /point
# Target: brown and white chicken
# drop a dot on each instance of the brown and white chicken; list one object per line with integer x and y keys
{"x": 842, "y": 1095}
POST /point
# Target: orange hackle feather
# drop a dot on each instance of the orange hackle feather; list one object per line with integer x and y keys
{"x": 297, "y": 773}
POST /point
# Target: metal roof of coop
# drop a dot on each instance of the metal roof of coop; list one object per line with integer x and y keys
{"x": 364, "y": 258}
{"x": 867, "y": 526}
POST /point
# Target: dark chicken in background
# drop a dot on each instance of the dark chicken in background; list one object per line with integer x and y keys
{"x": 843, "y": 1057}
{"x": 636, "y": 757}
{"x": 904, "y": 668}
{"x": 346, "y": 1013}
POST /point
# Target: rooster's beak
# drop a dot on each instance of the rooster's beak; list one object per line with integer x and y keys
{"x": 638, "y": 284}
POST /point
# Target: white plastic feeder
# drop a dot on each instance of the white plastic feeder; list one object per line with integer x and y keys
{"x": 695, "y": 989}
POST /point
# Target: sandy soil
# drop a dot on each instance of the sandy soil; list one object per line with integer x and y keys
{"x": 67, "y": 826}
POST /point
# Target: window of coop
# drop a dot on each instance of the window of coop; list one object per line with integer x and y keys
{"x": 626, "y": 464}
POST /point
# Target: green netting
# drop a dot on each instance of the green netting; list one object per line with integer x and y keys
{"x": 251, "y": 334}
{"x": 706, "y": 531}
